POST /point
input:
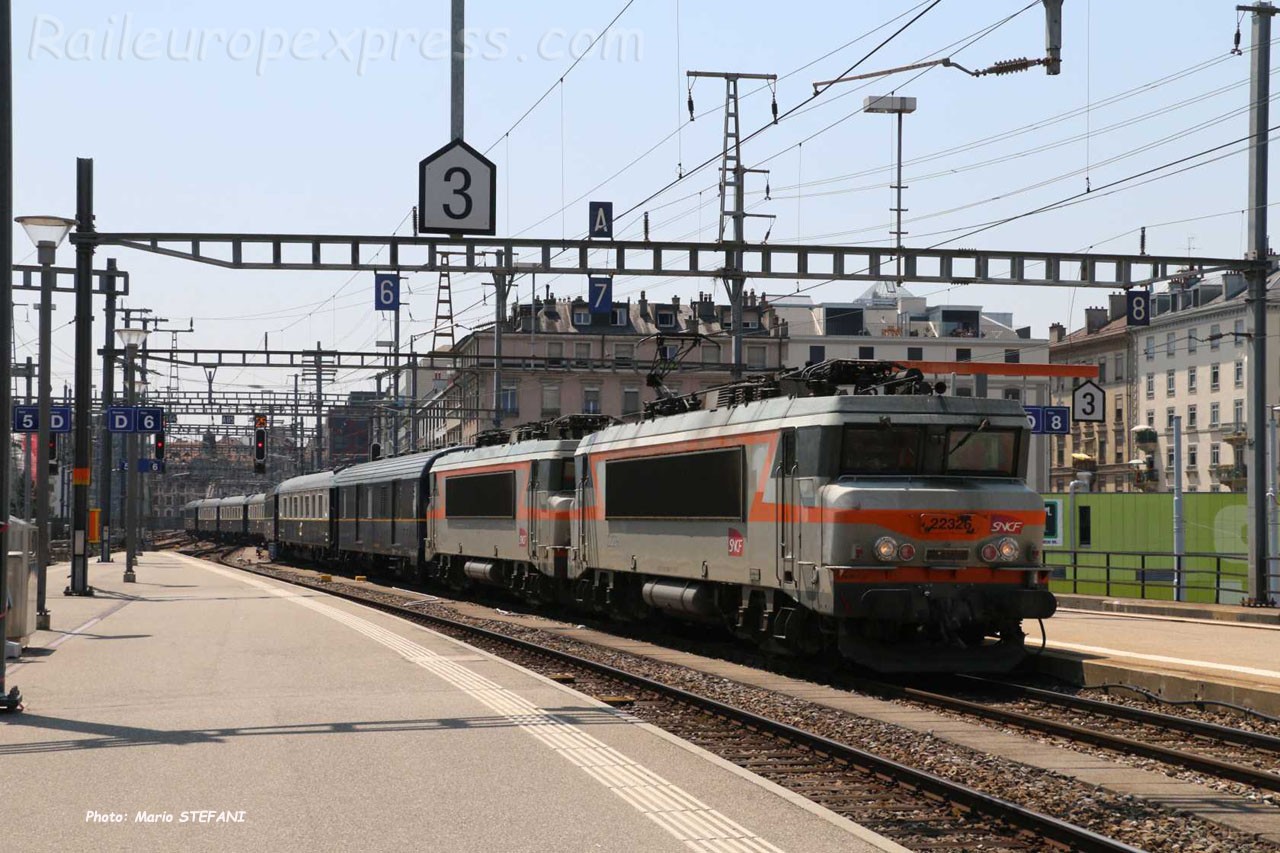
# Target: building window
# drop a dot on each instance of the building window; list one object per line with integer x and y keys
{"x": 619, "y": 317}
{"x": 582, "y": 355}
{"x": 1215, "y": 415}
{"x": 1012, "y": 356}
{"x": 630, "y": 401}
{"x": 1119, "y": 368}
{"x": 1149, "y": 349}
{"x": 1239, "y": 327}
{"x": 1215, "y": 454}
{"x": 1119, "y": 413}
{"x": 591, "y": 401}
{"x": 1170, "y": 346}
{"x": 1013, "y": 394}
{"x": 963, "y": 354}
{"x": 750, "y": 322}
{"x": 550, "y": 401}
{"x": 1193, "y": 456}
{"x": 624, "y": 354}
{"x": 711, "y": 353}
{"x": 509, "y": 400}
{"x": 1168, "y": 418}
{"x": 1102, "y": 449}
{"x": 668, "y": 352}
{"x": 555, "y": 354}
{"x": 1191, "y": 417}
{"x": 866, "y": 353}
{"x": 581, "y": 317}
{"x": 817, "y": 355}
{"x": 915, "y": 353}
{"x": 1119, "y": 453}
{"x": 1102, "y": 371}
{"x": 1214, "y": 374}
{"x": 1170, "y": 382}
{"x": 1151, "y": 418}
{"x": 756, "y": 357}
{"x": 1191, "y": 380}
{"x": 666, "y": 319}
{"x": 1062, "y": 451}
{"x": 1239, "y": 374}
{"x": 1192, "y": 340}
{"x": 1151, "y": 386}
{"x": 1237, "y": 412}
{"x": 1168, "y": 456}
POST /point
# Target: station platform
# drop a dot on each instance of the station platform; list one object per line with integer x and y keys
{"x": 1179, "y": 651}
{"x": 208, "y": 709}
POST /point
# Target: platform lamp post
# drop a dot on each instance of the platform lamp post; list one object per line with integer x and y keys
{"x": 132, "y": 339}
{"x": 47, "y": 233}
{"x": 898, "y": 106}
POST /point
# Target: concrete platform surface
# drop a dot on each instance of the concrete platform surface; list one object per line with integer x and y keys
{"x": 1177, "y": 657}
{"x": 207, "y": 709}
{"x": 1178, "y": 609}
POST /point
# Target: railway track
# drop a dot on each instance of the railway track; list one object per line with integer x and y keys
{"x": 1250, "y": 758}
{"x": 913, "y": 807}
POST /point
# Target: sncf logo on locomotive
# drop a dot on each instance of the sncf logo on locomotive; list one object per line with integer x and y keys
{"x": 524, "y": 538}
{"x": 1005, "y": 524}
{"x": 737, "y": 543}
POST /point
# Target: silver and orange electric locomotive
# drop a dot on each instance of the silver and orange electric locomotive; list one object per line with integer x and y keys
{"x": 846, "y": 508}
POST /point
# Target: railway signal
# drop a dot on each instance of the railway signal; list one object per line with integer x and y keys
{"x": 159, "y": 455}
{"x": 259, "y": 444}
{"x": 53, "y": 455}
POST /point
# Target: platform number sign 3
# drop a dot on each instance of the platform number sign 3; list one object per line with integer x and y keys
{"x": 1138, "y": 307}
{"x": 386, "y": 292}
{"x": 457, "y": 192}
{"x": 1089, "y": 404}
{"x": 601, "y": 291}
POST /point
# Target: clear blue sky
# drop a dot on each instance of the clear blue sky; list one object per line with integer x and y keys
{"x": 228, "y": 117}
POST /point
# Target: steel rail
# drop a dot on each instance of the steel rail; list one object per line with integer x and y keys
{"x": 1241, "y": 737}
{"x": 1189, "y": 760}
{"x": 1044, "y": 826}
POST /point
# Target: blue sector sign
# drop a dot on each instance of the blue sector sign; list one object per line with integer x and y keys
{"x": 601, "y": 219}
{"x": 600, "y": 290}
{"x": 386, "y": 292}
{"x": 122, "y": 419}
{"x": 1035, "y": 417}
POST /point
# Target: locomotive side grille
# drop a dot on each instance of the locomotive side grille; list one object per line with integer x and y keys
{"x": 946, "y": 555}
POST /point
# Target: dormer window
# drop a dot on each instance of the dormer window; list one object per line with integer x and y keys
{"x": 750, "y": 322}
{"x": 619, "y": 317}
{"x": 666, "y": 319}
{"x": 581, "y": 317}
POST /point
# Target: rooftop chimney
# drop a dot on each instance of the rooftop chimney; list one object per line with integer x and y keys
{"x": 1119, "y": 305}
{"x": 1094, "y": 319}
{"x": 1057, "y": 332}
{"x": 644, "y": 304}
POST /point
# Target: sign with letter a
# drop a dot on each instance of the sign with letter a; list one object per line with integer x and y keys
{"x": 601, "y": 220}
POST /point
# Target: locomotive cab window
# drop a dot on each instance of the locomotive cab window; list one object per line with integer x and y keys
{"x": 481, "y": 496}
{"x": 982, "y": 452}
{"x": 875, "y": 449}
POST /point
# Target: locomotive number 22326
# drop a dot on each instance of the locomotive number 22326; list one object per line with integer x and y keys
{"x": 946, "y": 524}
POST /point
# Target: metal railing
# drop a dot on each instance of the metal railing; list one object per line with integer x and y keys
{"x": 1207, "y": 578}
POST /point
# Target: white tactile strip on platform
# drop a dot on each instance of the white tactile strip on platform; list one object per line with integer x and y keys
{"x": 1201, "y": 664}
{"x": 670, "y": 807}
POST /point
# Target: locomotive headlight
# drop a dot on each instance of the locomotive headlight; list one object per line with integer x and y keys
{"x": 886, "y": 548}
{"x": 907, "y": 551}
{"x": 990, "y": 553}
{"x": 1008, "y": 549}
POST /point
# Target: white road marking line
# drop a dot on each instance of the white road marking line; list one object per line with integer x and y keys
{"x": 1200, "y": 664}
{"x": 660, "y": 801}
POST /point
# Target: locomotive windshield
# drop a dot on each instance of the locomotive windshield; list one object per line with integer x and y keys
{"x": 982, "y": 451}
{"x": 873, "y": 449}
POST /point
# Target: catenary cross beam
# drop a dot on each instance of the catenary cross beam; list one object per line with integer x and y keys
{"x": 303, "y": 252}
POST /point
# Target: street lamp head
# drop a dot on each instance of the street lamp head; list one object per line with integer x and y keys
{"x": 131, "y": 337}
{"x": 46, "y": 230}
{"x": 888, "y": 104}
